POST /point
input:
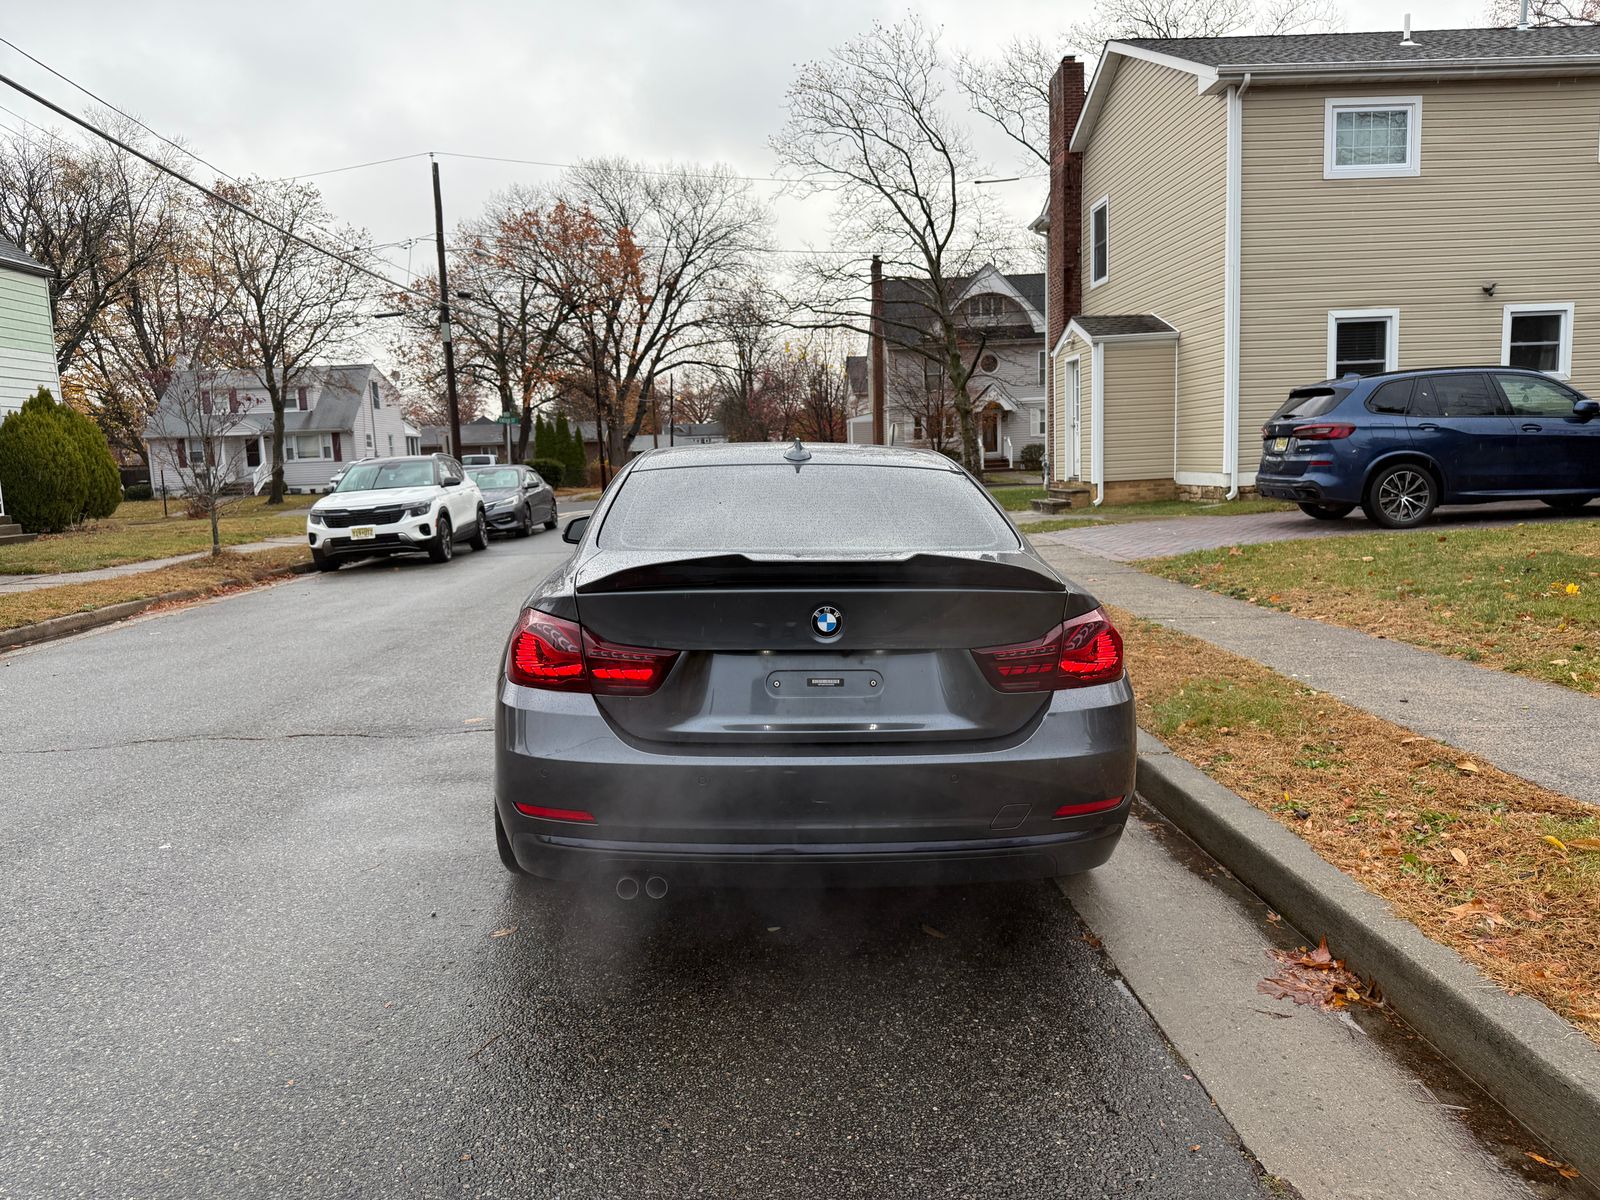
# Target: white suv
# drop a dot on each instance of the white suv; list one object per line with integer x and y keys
{"x": 396, "y": 505}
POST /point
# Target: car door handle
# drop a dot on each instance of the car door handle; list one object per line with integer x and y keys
{"x": 1428, "y": 427}
{"x": 1532, "y": 428}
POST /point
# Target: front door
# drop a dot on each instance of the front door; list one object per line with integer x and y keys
{"x": 991, "y": 430}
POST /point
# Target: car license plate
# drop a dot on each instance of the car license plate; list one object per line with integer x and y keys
{"x": 1279, "y": 445}
{"x": 363, "y": 533}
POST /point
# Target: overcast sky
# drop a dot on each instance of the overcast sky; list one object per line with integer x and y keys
{"x": 290, "y": 88}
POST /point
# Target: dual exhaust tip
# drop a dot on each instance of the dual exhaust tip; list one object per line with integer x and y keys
{"x": 628, "y": 887}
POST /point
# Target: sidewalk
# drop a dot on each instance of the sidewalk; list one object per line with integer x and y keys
{"x": 10, "y": 584}
{"x": 1535, "y": 730}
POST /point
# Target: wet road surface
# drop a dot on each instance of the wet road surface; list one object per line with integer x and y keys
{"x": 252, "y": 901}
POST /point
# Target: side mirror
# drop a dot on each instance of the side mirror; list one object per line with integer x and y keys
{"x": 1586, "y": 410}
{"x": 574, "y": 530}
{"x": 450, "y": 483}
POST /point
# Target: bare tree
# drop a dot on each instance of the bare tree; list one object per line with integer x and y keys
{"x": 1542, "y": 14}
{"x": 869, "y": 124}
{"x": 680, "y": 237}
{"x": 196, "y": 414}
{"x": 98, "y": 217}
{"x": 825, "y": 392}
{"x": 286, "y": 303}
{"x": 1012, "y": 89}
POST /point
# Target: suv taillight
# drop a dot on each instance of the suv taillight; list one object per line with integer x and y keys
{"x": 1321, "y": 433}
{"x": 1076, "y": 653}
{"x": 559, "y": 655}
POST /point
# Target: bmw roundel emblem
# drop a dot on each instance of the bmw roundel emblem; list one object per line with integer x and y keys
{"x": 826, "y": 622}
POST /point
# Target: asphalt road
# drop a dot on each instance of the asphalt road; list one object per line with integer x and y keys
{"x": 250, "y": 947}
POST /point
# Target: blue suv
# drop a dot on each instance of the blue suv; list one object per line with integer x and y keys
{"x": 1400, "y": 444}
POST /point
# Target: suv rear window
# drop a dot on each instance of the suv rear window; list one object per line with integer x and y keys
{"x": 1310, "y": 402}
{"x": 823, "y": 507}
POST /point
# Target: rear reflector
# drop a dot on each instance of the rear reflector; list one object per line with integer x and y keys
{"x": 558, "y": 814}
{"x": 1078, "y": 810}
{"x": 560, "y": 655}
{"x": 1083, "y": 651}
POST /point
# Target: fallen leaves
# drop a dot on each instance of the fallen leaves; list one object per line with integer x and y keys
{"x": 1467, "y": 767}
{"x": 1459, "y": 855}
{"x": 1565, "y": 1170}
{"x": 1315, "y": 978}
{"x": 1477, "y": 908}
{"x": 506, "y": 932}
{"x": 932, "y": 932}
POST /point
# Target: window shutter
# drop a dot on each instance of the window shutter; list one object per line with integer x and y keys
{"x": 338, "y": 450}
{"x": 300, "y": 399}
{"x": 183, "y": 456}
{"x": 233, "y": 400}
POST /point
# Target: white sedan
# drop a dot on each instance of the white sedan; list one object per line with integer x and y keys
{"x": 396, "y": 506}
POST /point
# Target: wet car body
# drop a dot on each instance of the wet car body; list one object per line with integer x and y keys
{"x": 763, "y": 691}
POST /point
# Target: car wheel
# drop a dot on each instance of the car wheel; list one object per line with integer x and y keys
{"x": 525, "y": 526}
{"x": 1327, "y": 512}
{"x": 502, "y": 843}
{"x": 480, "y": 533}
{"x": 1567, "y": 503}
{"x": 443, "y": 547}
{"x": 324, "y": 562}
{"x": 550, "y": 521}
{"x": 1401, "y": 497}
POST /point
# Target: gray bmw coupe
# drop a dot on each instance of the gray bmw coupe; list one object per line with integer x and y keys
{"x": 769, "y": 664}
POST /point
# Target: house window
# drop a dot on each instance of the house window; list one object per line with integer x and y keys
{"x": 1099, "y": 242}
{"x": 933, "y": 376}
{"x": 1041, "y": 368}
{"x": 917, "y": 430}
{"x": 252, "y": 452}
{"x": 374, "y": 388}
{"x": 1036, "y": 421}
{"x": 1376, "y": 138}
{"x": 307, "y": 445}
{"x": 989, "y": 364}
{"x": 1363, "y": 341}
{"x": 391, "y": 444}
{"x": 1539, "y": 337}
{"x": 197, "y": 451}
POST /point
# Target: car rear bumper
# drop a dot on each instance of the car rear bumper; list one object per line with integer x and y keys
{"x": 814, "y": 816}
{"x": 1308, "y": 488}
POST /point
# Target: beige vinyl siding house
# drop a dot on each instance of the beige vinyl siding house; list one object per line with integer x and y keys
{"x": 27, "y": 338}
{"x": 1303, "y": 206}
{"x": 1508, "y": 196}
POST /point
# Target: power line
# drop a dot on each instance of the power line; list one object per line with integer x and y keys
{"x": 203, "y": 189}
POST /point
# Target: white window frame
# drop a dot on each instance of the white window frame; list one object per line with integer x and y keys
{"x": 1043, "y": 361}
{"x": 1101, "y": 205}
{"x": 1036, "y": 421}
{"x": 194, "y": 452}
{"x": 1338, "y": 104}
{"x": 1566, "y": 309}
{"x": 1391, "y": 343}
{"x": 291, "y": 447}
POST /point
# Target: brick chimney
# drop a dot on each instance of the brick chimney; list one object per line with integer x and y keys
{"x": 1065, "y": 280}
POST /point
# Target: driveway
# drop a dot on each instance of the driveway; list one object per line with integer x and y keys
{"x": 258, "y": 943}
{"x": 1133, "y": 540}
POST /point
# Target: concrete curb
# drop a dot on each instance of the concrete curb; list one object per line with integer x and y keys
{"x": 60, "y": 627}
{"x": 1545, "y": 1072}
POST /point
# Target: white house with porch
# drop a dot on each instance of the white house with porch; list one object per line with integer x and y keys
{"x": 1002, "y": 320}
{"x": 334, "y": 414}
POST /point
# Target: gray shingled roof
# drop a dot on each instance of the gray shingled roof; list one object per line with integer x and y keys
{"x": 338, "y": 401}
{"x": 11, "y": 255}
{"x": 905, "y": 303}
{"x": 1379, "y": 49}
{"x": 1121, "y": 326}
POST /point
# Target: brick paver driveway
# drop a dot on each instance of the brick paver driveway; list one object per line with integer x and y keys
{"x": 1134, "y": 540}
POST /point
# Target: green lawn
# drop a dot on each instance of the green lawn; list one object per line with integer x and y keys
{"x": 1015, "y": 499}
{"x": 138, "y": 532}
{"x": 1522, "y": 598}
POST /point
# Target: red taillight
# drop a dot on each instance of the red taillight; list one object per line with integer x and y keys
{"x": 1079, "y": 810}
{"x": 560, "y": 655}
{"x": 1322, "y": 433}
{"x": 556, "y": 814}
{"x": 1076, "y": 653}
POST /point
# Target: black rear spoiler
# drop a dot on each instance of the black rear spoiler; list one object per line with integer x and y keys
{"x": 654, "y": 572}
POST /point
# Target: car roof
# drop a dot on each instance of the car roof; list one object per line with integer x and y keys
{"x": 1413, "y": 372}
{"x": 723, "y": 454}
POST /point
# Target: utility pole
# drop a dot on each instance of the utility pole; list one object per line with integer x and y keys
{"x": 876, "y": 364}
{"x": 672, "y": 414}
{"x": 444, "y": 320}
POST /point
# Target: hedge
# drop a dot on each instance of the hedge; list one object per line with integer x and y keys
{"x": 549, "y": 469}
{"x": 43, "y": 471}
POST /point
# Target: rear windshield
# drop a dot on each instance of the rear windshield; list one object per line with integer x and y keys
{"x": 1310, "y": 402}
{"x": 821, "y": 508}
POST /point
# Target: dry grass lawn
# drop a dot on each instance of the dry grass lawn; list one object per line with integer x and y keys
{"x": 227, "y": 572}
{"x": 1502, "y": 870}
{"x": 137, "y": 532}
{"x": 1523, "y": 598}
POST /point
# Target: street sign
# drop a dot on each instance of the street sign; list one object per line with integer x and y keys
{"x": 509, "y": 417}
